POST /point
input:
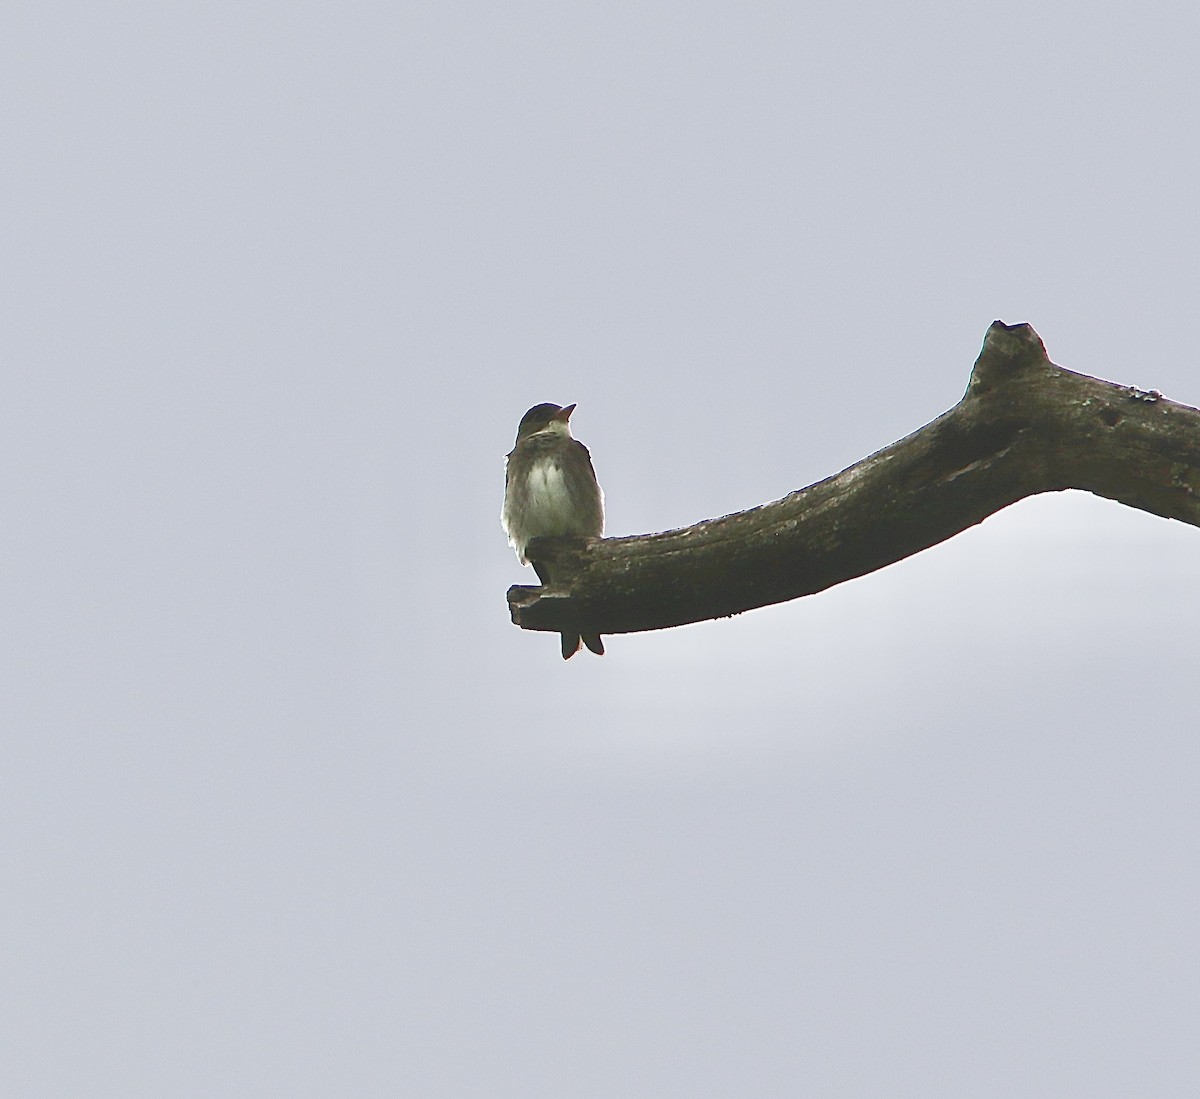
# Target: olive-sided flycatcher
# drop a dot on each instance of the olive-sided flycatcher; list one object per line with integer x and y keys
{"x": 551, "y": 489}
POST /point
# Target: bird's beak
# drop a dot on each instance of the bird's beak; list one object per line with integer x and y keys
{"x": 564, "y": 414}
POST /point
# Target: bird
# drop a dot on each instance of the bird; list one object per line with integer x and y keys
{"x": 550, "y": 489}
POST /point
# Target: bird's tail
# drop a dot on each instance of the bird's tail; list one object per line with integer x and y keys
{"x": 570, "y": 644}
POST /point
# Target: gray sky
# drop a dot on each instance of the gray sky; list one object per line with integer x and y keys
{"x": 287, "y": 806}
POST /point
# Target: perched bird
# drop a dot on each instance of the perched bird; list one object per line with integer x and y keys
{"x": 551, "y": 489}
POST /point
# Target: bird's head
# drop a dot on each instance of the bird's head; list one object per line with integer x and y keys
{"x": 545, "y": 417}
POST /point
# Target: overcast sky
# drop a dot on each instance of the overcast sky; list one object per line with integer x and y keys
{"x": 288, "y": 807}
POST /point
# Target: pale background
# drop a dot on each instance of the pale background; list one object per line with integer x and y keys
{"x": 288, "y": 807}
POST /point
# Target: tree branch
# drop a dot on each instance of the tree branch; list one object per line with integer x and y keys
{"x": 1024, "y": 426}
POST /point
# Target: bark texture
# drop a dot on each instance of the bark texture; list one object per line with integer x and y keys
{"x": 1024, "y": 426}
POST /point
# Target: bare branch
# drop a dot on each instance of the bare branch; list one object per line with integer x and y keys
{"x": 1024, "y": 426}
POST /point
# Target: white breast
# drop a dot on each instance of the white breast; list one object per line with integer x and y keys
{"x": 545, "y": 507}
{"x": 546, "y": 485}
